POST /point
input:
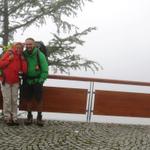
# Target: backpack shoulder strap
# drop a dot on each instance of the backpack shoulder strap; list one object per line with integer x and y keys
{"x": 38, "y": 58}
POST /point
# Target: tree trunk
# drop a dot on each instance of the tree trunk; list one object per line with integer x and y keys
{"x": 6, "y": 24}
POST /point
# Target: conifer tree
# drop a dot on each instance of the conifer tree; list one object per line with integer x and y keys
{"x": 21, "y": 14}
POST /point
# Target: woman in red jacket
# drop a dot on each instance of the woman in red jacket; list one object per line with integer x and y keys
{"x": 11, "y": 64}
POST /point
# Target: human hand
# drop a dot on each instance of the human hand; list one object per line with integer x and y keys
{"x": 11, "y": 56}
{"x": 22, "y": 57}
{"x": 41, "y": 80}
{"x": 30, "y": 81}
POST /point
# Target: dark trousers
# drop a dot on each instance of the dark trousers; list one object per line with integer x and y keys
{"x": 33, "y": 91}
{"x": 29, "y": 92}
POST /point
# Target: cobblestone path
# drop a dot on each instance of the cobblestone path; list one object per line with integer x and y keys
{"x": 61, "y": 135}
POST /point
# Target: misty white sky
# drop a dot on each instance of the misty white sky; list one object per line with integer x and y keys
{"x": 121, "y": 43}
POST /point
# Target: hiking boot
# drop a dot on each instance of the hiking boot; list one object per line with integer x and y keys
{"x": 29, "y": 120}
{"x": 39, "y": 120}
{"x": 8, "y": 122}
{"x": 15, "y": 123}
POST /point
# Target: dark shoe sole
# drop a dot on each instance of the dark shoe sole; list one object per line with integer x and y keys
{"x": 28, "y": 123}
{"x": 15, "y": 124}
{"x": 40, "y": 123}
{"x": 10, "y": 123}
{"x": 29, "y": 120}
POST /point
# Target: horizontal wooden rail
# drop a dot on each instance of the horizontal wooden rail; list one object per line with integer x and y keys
{"x": 118, "y": 103}
{"x": 114, "y": 103}
{"x": 91, "y": 100}
{"x": 110, "y": 81}
{"x": 66, "y": 100}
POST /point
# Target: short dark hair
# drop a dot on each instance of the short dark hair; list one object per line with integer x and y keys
{"x": 30, "y": 39}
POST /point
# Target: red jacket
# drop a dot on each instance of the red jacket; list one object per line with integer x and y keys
{"x": 11, "y": 68}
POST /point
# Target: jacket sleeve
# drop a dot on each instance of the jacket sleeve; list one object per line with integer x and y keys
{"x": 4, "y": 61}
{"x": 44, "y": 68}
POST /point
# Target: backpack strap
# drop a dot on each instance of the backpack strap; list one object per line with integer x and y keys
{"x": 38, "y": 58}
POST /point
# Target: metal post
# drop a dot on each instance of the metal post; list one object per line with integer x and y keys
{"x": 90, "y": 101}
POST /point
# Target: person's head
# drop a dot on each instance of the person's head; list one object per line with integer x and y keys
{"x": 30, "y": 44}
{"x": 18, "y": 47}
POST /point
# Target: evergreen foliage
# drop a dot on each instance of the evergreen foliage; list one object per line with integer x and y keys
{"x": 62, "y": 57}
{"x": 21, "y": 14}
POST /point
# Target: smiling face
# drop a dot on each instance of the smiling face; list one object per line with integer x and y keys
{"x": 30, "y": 44}
{"x": 19, "y": 48}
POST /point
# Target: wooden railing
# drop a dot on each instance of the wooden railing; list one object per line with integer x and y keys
{"x": 93, "y": 101}
{"x": 73, "y": 78}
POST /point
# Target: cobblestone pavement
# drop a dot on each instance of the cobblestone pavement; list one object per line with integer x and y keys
{"x": 61, "y": 135}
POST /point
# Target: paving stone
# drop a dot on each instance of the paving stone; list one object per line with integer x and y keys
{"x": 63, "y": 135}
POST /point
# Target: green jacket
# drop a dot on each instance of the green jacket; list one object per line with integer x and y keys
{"x": 35, "y": 75}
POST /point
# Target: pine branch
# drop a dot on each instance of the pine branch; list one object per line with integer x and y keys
{"x": 62, "y": 57}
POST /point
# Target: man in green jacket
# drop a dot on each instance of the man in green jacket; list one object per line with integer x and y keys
{"x": 37, "y": 73}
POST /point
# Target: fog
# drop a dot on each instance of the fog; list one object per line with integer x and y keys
{"x": 121, "y": 42}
